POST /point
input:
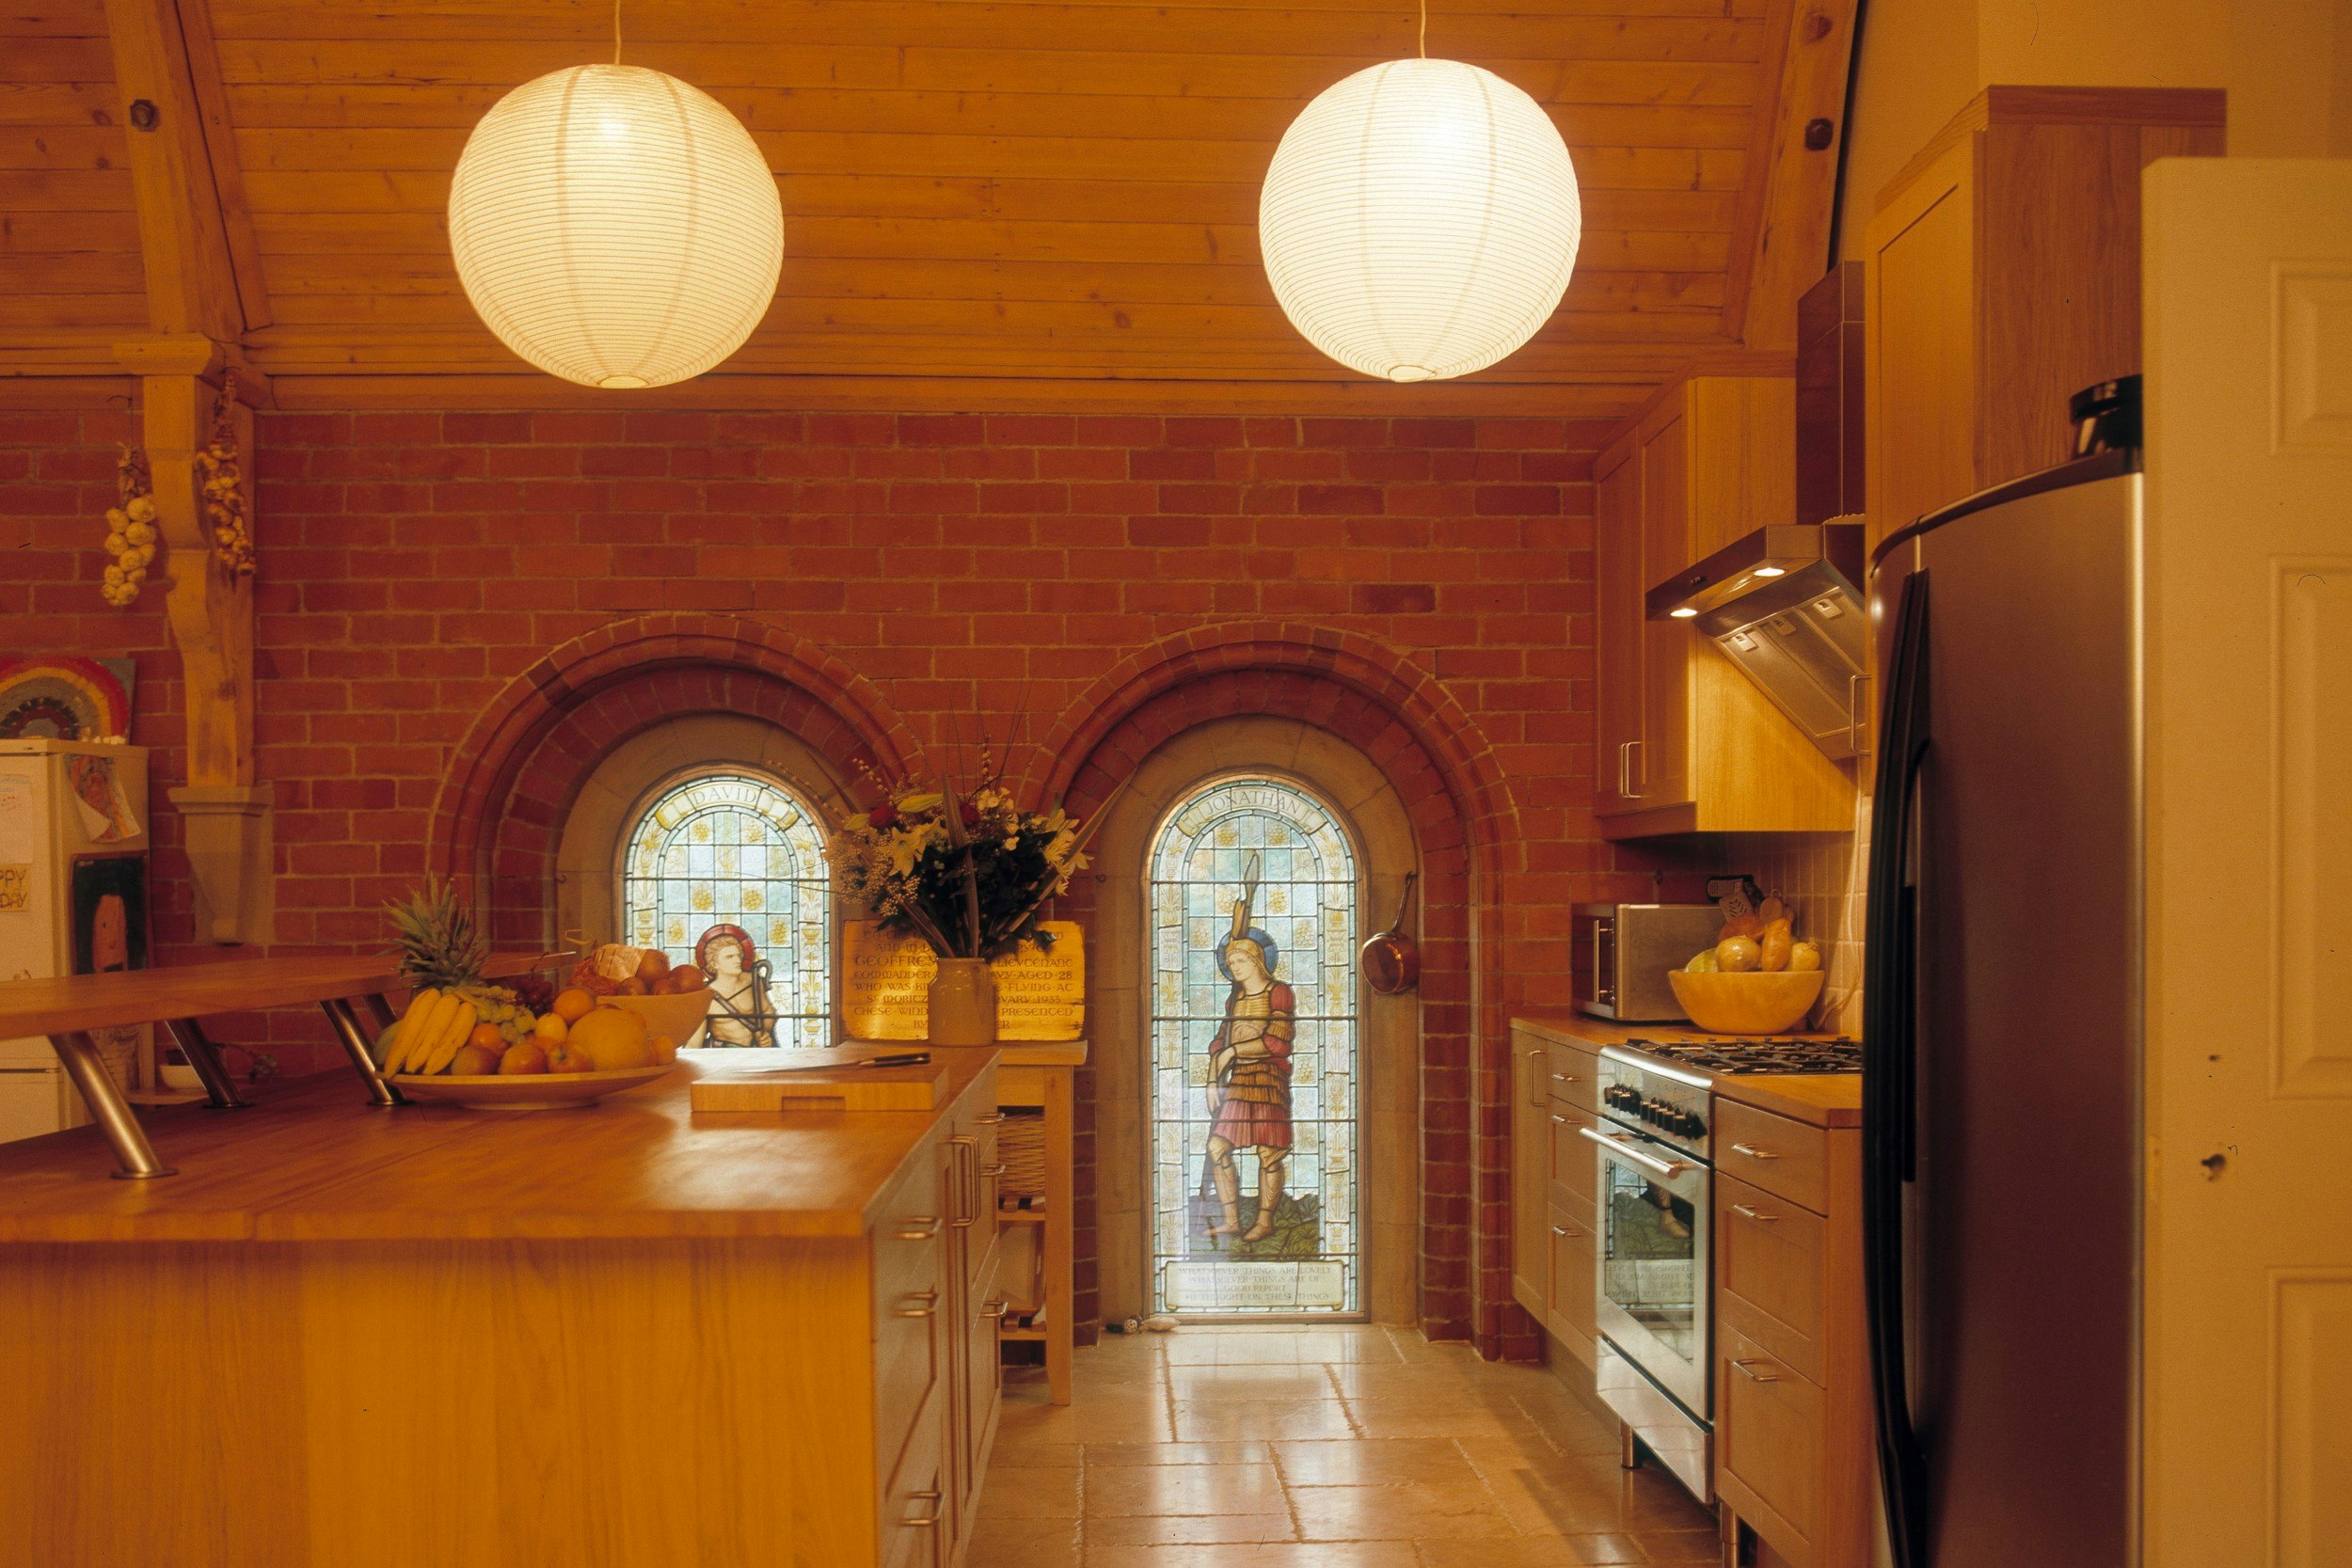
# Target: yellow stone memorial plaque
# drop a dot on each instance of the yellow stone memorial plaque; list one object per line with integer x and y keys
{"x": 886, "y": 983}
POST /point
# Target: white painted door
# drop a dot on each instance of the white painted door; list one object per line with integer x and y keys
{"x": 2247, "y": 1332}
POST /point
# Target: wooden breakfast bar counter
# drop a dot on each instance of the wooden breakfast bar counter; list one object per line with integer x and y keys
{"x": 639, "y": 1334}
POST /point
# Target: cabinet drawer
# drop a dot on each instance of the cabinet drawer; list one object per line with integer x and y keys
{"x": 913, "y": 1528}
{"x": 909, "y": 1295}
{"x": 1574, "y": 1076}
{"x": 1786, "y": 1158}
{"x": 1573, "y": 1281}
{"x": 1575, "y": 1161}
{"x": 1767, "y": 1443}
{"x": 1770, "y": 1271}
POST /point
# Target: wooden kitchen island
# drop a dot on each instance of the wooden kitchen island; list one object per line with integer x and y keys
{"x": 346, "y": 1335}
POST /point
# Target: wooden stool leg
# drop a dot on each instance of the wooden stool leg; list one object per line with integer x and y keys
{"x": 103, "y": 1096}
{"x": 354, "y": 1043}
{"x": 220, "y": 1090}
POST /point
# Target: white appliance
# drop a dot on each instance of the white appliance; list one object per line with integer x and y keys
{"x": 69, "y": 810}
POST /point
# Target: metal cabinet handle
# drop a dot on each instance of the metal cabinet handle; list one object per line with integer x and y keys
{"x": 919, "y": 1227}
{"x": 994, "y": 1310}
{"x": 931, "y": 1304}
{"x": 1753, "y": 1152}
{"x": 1621, "y": 1143}
{"x": 1625, "y": 769}
{"x": 996, "y": 1171}
{"x": 1745, "y": 1212}
{"x": 921, "y": 1521}
{"x": 1566, "y": 1230}
{"x": 1857, "y": 724}
{"x": 1557, "y": 1117}
{"x": 988, "y": 1118}
{"x": 1747, "y": 1370}
{"x": 1630, "y": 747}
{"x": 1565, "y": 1078}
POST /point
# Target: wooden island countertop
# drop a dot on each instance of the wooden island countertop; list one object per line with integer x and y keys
{"x": 313, "y": 1162}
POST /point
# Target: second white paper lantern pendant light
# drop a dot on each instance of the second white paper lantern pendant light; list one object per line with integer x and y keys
{"x": 1419, "y": 219}
{"x": 615, "y": 226}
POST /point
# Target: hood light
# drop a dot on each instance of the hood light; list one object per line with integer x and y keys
{"x": 1683, "y": 613}
{"x": 1772, "y": 571}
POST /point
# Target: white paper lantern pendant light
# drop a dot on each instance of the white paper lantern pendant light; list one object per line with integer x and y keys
{"x": 1419, "y": 219}
{"x": 615, "y": 226}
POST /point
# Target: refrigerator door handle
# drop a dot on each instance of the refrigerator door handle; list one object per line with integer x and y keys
{"x": 1889, "y": 1082}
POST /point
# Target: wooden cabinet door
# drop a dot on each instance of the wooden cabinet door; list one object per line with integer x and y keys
{"x": 1920, "y": 322}
{"x": 1573, "y": 1282}
{"x": 1530, "y": 1172}
{"x": 1618, "y": 630}
{"x": 1661, "y": 770}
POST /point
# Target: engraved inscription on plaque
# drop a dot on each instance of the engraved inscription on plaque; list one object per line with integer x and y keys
{"x": 885, "y": 981}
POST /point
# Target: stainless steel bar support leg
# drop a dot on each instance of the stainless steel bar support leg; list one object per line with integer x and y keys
{"x": 1629, "y": 1451}
{"x": 380, "y": 1011}
{"x": 354, "y": 1043}
{"x": 108, "y": 1107}
{"x": 219, "y": 1089}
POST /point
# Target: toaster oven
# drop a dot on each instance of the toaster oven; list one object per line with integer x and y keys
{"x": 1622, "y": 952}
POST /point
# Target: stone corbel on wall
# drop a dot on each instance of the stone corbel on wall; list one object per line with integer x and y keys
{"x": 226, "y": 815}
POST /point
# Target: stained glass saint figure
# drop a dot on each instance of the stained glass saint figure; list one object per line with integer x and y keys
{"x": 1249, "y": 1072}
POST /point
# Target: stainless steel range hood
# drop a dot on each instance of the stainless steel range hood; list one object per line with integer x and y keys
{"x": 1781, "y": 603}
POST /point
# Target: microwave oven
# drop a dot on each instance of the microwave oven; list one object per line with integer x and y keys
{"x": 1622, "y": 952}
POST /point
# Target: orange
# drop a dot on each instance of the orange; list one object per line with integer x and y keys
{"x": 574, "y": 1004}
{"x": 486, "y": 1037}
{"x": 530, "y": 1056}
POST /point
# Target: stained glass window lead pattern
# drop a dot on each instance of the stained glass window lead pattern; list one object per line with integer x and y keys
{"x": 733, "y": 849}
{"x": 1254, "y": 1110}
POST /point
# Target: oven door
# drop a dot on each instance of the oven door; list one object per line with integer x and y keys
{"x": 1651, "y": 1289}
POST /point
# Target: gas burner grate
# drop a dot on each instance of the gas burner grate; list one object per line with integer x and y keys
{"x": 1745, "y": 1057}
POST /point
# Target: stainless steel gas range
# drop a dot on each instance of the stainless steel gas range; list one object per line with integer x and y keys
{"x": 1653, "y": 1291}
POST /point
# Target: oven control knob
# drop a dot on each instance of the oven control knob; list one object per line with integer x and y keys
{"x": 1693, "y": 1125}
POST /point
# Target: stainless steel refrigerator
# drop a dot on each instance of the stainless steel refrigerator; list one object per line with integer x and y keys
{"x": 2002, "y": 1023}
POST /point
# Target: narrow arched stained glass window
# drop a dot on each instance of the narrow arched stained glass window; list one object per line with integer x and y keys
{"x": 733, "y": 849}
{"x": 1255, "y": 1110}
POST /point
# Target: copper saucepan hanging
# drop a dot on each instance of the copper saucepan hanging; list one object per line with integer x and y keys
{"x": 1391, "y": 960}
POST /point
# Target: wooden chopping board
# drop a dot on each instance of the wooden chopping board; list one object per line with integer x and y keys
{"x": 823, "y": 1081}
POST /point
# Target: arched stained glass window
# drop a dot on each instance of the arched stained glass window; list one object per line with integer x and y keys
{"x": 732, "y": 849}
{"x": 1255, "y": 1112}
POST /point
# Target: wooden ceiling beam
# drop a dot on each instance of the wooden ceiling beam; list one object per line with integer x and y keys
{"x": 1780, "y": 244}
{"x": 203, "y": 268}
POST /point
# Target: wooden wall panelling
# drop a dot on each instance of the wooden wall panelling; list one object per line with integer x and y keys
{"x": 70, "y": 246}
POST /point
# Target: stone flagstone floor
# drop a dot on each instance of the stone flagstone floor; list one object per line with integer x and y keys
{"x": 1352, "y": 1447}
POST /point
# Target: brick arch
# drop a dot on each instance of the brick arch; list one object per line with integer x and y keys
{"x": 500, "y": 814}
{"x": 1461, "y": 814}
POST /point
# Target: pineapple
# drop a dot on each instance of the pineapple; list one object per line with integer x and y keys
{"x": 440, "y": 950}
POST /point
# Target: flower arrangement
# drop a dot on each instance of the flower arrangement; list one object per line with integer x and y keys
{"x": 968, "y": 873}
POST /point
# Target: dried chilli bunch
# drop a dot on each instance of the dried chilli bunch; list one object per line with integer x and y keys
{"x": 130, "y": 532}
{"x": 970, "y": 874}
{"x": 222, "y": 478}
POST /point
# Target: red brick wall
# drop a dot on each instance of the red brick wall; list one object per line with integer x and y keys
{"x": 415, "y": 564}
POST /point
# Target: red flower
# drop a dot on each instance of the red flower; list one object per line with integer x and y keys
{"x": 971, "y": 814}
{"x": 883, "y": 815}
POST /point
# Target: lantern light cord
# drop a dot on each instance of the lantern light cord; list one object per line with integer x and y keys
{"x": 616, "y": 32}
{"x": 1425, "y": 28}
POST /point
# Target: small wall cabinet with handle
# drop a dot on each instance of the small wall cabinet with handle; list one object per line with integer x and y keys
{"x": 1687, "y": 743}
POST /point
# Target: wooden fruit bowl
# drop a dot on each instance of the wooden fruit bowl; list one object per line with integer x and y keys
{"x": 678, "y": 1017}
{"x": 524, "y": 1091}
{"x": 1749, "y": 1004}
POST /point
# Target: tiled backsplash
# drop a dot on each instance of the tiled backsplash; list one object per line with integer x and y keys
{"x": 1821, "y": 877}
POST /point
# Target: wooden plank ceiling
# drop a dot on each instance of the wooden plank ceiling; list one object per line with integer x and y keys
{"x": 990, "y": 199}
